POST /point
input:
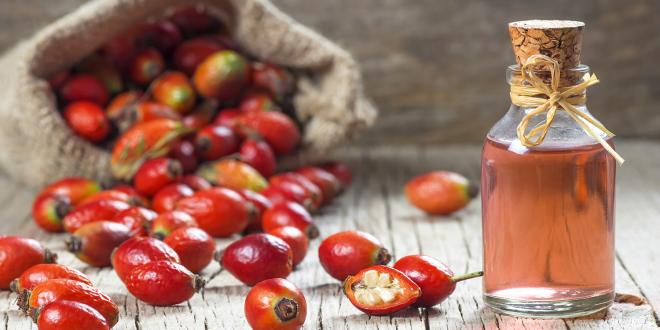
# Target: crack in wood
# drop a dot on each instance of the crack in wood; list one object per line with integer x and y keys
{"x": 656, "y": 318}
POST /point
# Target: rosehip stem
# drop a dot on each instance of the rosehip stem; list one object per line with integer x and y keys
{"x": 467, "y": 276}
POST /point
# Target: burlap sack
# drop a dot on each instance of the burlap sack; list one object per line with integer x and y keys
{"x": 36, "y": 145}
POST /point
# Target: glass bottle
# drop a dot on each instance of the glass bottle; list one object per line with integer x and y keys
{"x": 548, "y": 217}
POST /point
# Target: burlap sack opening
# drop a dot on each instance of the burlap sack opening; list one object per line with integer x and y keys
{"x": 36, "y": 145}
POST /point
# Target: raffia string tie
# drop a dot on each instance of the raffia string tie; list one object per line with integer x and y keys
{"x": 549, "y": 99}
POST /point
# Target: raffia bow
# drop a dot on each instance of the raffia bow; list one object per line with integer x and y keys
{"x": 550, "y": 98}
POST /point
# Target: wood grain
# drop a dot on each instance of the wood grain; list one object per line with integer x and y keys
{"x": 375, "y": 204}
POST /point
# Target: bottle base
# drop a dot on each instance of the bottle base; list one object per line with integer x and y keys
{"x": 549, "y": 309}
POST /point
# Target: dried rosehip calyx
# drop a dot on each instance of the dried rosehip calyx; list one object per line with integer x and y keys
{"x": 381, "y": 290}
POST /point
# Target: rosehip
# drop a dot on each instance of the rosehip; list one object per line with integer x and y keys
{"x": 113, "y": 195}
{"x": 289, "y": 214}
{"x": 278, "y": 81}
{"x": 174, "y": 90}
{"x": 94, "y": 242}
{"x": 259, "y": 205}
{"x": 279, "y": 131}
{"x": 287, "y": 192}
{"x": 193, "y": 20}
{"x": 297, "y": 240}
{"x": 219, "y": 211}
{"x": 213, "y": 142}
{"x": 138, "y": 251}
{"x": 195, "y": 182}
{"x": 194, "y": 246}
{"x": 167, "y": 197}
{"x": 41, "y": 273}
{"x": 434, "y": 278}
{"x": 58, "y": 79}
{"x": 275, "y": 304}
{"x": 146, "y": 66}
{"x": 228, "y": 118}
{"x": 168, "y": 222}
{"x": 381, "y": 290}
{"x": 156, "y": 173}
{"x": 84, "y": 87}
{"x": 257, "y": 257}
{"x": 440, "y": 192}
{"x": 120, "y": 50}
{"x": 191, "y": 53}
{"x": 259, "y": 155}
{"x": 75, "y": 188}
{"x": 163, "y": 35}
{"x": 163, "y": 283}
{"x": 232, "y": 174}
{"x": 121, "y": 104}
{"x": 87, "y": 120}
{"x": 62, "y": 289}
{"x": 346, "y": 253}
{"x": 136, "y": 218}
{"x": 184, "y": 152}
{"x": 222, "y": 76}
{"x": 313, "y": 195}
{"x": 18, "y": 254}
{"x": 340, "y": 171}
{"x": 202, "y": 115}
{"x": 152, "y": 138}
{"x": 146, "y": 111}
{"x": 92, "y": 212}
{"x": 67, "y": 314}
{"x": 48, "y": 210}
{"x": 104, "y": 71}
{"x": 329, "y": 185}
{"x": 256, "y": 101}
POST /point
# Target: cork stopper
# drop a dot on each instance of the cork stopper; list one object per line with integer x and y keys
{"x": 560, "y": 40}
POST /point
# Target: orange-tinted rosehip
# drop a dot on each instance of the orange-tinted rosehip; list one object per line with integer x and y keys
{"x": 330, "y": 186}
{"x": 257, "y": 257}
{"x": 138, "y": 251}
{"x": 193, "y": 20}
{"x": 62, "y": 289}
{"x": 137, "y": 219}
{"x": 255, "y": 101}
{"x": 163, "y": 283}
{"x": 439, "y": 192}
{"x": 84, "y": 87}
{"x": 75, "y": 188}
{"x": 162, "y": 35}
{"x": 191, "y": 53}
{"x": 150, "y": 139}
{"x": 147, "y": 110}
{"x": 219, "y": 211}
{"x": 94, "y": 242}
{"x": 381, "y": 290}
{"x": 202, "y": 115}
{"x": 113, "y": 195}
{"x": 104, "y": 71}
{"x": 156, "y": 173}
{"x": 275, "y": 304}
{"x": 232, "y": 174}
{"x": 122, "y": 104}
{"x": 228, "y": 118}
{"x": 169, "y": 221}
{"x": 259, "y": 204}
{"x": 194, "y": 246}
{"x": 276, "y": 80}
{"x": 67, "y": 314}
{"x": 57, "y": 80}
{"x": 346, "y": 253}
{"x": 87, "y": 120}
{"x": 146, "y": 66}
{"x": 195, "y": 182}
{"x": 313, "y": 195}
{"x": 341, "y": 171}
{"x": 279, "y": 131}
{"x": 167, "y": 197}
{"x": 174, "y": 90}
{"x": 222, "y": 75}
{"x": 41, "y": 273}
{"x": 289, "y": 214}
{"x": 92, "y": 212}
{"x": 17, "y": 254}
{"x": 213, "y": 142}
{"x": 259, "y": 155}
{"x": 288, "y": 192}
{"x": 434, "y": 278}
{"x": 48, "y": 210}
{"x": 184, "y": 152}
{"x": 297, "y": 240}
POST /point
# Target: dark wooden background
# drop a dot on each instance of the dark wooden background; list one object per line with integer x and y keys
{"x": 436, "y": 68}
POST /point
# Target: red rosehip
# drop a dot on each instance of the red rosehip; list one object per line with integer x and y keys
{"x": 92, "y": 212}
{"x": 146, "y": 111}
{"x": 48, "y": 211}
{"x": 138, "y": 251}
{"x": 122, "y": 104}
{"x": 439, "y": 192}
{"x": 87, "y": 120}
{"x": 222, "y": 75}
{"x": 120, "y": 50}
{"x": 67, "y": 314}
{"x": 192, "y": 52}
{"x": 279, "y": 131}
{"x": 275, "y": 304}
{"x": 259, "y": 205}
{"x": 257, "y": 257}
{"x": 184, "y": 152}
{"x": 297, "y": 240}
{"x": 195, "y": 182}
{"x": 347, "y": 252}
{"x": 193, "y": 20}
{"x": 213, "y": 142}
{"x": 41, "y": 273}
{"x": 163, "y": 283}
{"x": 167, "y": 197}
{"x": 94, "y": 242}
{"x": 57, "y": 80}
{"x": 202, "y": 115}
{"x": 104, "y": 71}
{"x": 255, "y": 101}
{"x": 228, "y": 118}
{"x": 156, "y": 173}
{"x": 162, "y": 35}
{"x": 146, "y": 66}
{"x": 276, "y": 80}
{"x": 114, "y": 195}
{"x": 174, "y": 90}
{"x": 194, "y": 246}
{"x": 313, "y": 195}
{"x": 289, "y": 214}
{"x": 288, "y": 191}
{"x": 341, "y": 171}
{"x": 259, "y": 155}
{"x": 17, "y": 254}
{"x": 84, "y": 87}
{"x": 330, "y": 186}
{"x": 220, "y": 212}
{"x": 136, "y": 218}
{"x": 381, "y": 290}
{"x": 168, "y": 222}
{"x": 76, "y": 189}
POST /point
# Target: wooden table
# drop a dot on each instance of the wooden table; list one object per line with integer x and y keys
{"x": 375, "y": 204}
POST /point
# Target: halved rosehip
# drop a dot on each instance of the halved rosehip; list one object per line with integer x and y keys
{"x": 346, "y": 253}
{"x": 275, "y": 304}
{"x": 94, "y": 242}
{"x": 194, "y": 246}
{"x": 167, "y": 197}
{"x": 155, "y": 174}
{"x": 439, "y": 192}
{"x": 257, "y": 257}
{"x": 289, "y": 214}
{"x": 41, "y": 273}
{"x": 18, "y": 254}
{"x": 67, "y": 314}
{"x": 170, "y": 221}
{"x": 163, "y": 283}
{"x": 381, "y": 290}
{"x": 138, "y": 251}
